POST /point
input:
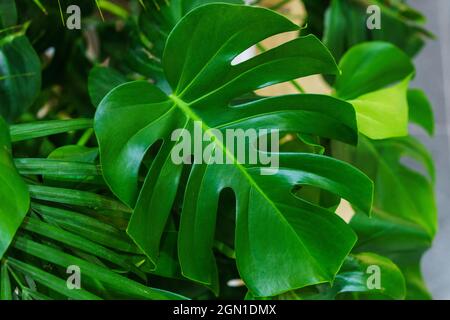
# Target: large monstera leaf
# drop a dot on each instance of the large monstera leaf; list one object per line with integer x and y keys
{"x": 282, "y": 242}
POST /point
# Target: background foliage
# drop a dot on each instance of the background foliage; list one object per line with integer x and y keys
{"x": 86, "y": 179}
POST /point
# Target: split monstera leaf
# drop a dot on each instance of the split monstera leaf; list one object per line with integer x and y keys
{"x": 282, "y": 242}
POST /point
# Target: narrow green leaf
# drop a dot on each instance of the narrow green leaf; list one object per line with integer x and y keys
{"x": 35, "y": 295}
{"x": 50, "y": 281}
{"x": 5, "y": 283}
{"x": 79, "y": 242}
{"x": 113, "y": 8}
{"x": 74, "y": 153}
{"x": 420, "y": 110}
{"x": 76, "y": 197}
{"x": 120, "y": 284}
{"x": 40, "y": 6}
{"x": 38, "y": 129}
{"x": 55, "y": 167}
{"x": 87, "y": 227}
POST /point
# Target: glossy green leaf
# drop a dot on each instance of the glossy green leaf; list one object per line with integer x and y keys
{"x": 383, "y": 113}
{"x": 20, "y": 75}
{"x": 370, "y": 67}
{"x": 312, "y": 142}
{"x": 14, "y": 197}
{"x": 74, "y": 153}
{"x": 81, "y": 160}
{"x": 204, "y": 83}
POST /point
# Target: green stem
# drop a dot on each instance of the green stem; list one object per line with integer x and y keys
{"x": 85, "y": 137}
{"x": 143, "y": 4}
{"x": 61, "y": 13}
{"x": 113, "y": 8}
{"x": 99, "y": 10}
{"x": 40, "y": 6}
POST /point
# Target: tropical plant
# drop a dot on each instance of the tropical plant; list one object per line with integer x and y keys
{"x": 104, "y": 195}
{"x": 343, "y": 24}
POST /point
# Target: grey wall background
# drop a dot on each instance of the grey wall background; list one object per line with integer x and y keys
{"x": 433, "y": 75}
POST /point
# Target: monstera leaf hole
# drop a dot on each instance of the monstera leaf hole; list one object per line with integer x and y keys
{"x": 147, "y": 161}
{"x": 245, "y": 55}
{"x": 226, "y": 220}
{"x": 417, "y": 166}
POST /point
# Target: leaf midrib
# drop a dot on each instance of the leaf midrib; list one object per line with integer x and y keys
{"x": 185, "y": 107}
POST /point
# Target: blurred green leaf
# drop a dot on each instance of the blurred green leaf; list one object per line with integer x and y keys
{"x": 101, "y": 81}
{"x": 420, "y": 110}
{"x": 8, "y": 13}
{"x": 20, "y": 76}
{"x": 38, "y": 129}
{"x": 14, "y": 197}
